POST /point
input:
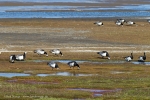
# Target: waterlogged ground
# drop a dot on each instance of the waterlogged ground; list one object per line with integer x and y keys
{"x": 79, "y": 40}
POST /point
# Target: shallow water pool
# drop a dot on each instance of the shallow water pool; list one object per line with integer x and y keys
{"x": 65, "y": 74}
{"x": 10, "y": 75}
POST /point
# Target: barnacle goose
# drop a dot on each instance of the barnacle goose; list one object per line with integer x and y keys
{"x": 12, "y": 58}
{"x": 142, "y": 58}
{"x": 53, "y": 65}
{"x": 73, "y": 64}
{"x": 121, "y": 20}
{"x": 148, "y": 20}
{"x": 56, "y": 52}
{"x": 129, "y": 58}
{"x": 119, "y": 23}
{"x": 104, "y": 54}
{"x": 130, "y": 22}
{"x": 20, "y": 57}
{"x": 99, "y": 23}
{"x": 40, "y": 52}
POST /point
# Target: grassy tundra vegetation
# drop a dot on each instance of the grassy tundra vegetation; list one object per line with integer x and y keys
{"x": 125, "y": 79}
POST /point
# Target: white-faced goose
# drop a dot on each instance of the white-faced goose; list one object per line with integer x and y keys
{"x": 73, "y": 64}
{"x": 99, "y": 23}
{"x": 40, "y": 52}
{"x": 53, "y": 65}
{"x": 104, "y": 54}
{"x": 20, "y": 57}
{"x": 129, "y": 58}
{"x": 142, "y": 58}
{"x": 56, "y": 52}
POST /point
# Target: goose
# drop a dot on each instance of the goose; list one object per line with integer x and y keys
{"x": 40, "y": 52}
{"x": 121, "y": 20}
{"x": 20, "y": 57}
{"x": 129, "y": 58}
{"x": 56, "y": 52}
{"x": 130, "y": 22}
{"x": 142, "y": 58}
{"x": 99, "y": 23}
{"x": 148, "y": 21}
{"x": 73, "y": 64}
{"x": 119, "y": 23}
{"x": 12, "y": 58}
{"x": 104, "y": 54}
{"x": 53, "y": 65}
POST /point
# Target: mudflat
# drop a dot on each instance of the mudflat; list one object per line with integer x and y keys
{"x": 29, "y": 34}
{"x": 78, "y": 39}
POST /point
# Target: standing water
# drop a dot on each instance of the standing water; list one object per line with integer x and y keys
{"x": 73, "y": 9}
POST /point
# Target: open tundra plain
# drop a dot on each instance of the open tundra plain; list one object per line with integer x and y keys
{"x": 79, "y": 40}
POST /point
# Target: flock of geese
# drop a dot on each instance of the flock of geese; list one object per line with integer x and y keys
{"x": 103, "y": 54}
{"x": 119, "y": 22}
{"x": 21, "y": 57}
{"x": 141, "y": 58}
{"x": 127, "y": 58}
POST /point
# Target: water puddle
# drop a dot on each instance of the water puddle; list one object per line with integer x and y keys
{"x": 10, "y": 75}
{"x": 65, "y": 74}
{"x": 94, "y": 62}
{"x": 144, "y": 63}
{"x": 66, "y": 61}
{"x": 81, "y": 61}
{"x": 60, "y": 61}
{"x": 96, "y": 92}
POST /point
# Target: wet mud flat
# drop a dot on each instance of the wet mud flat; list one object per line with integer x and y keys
{"x": 79, "y": 40}
{"x": 29, "y": 34}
